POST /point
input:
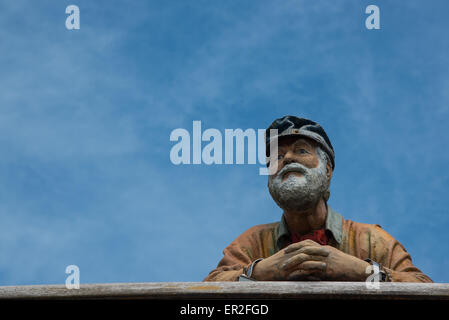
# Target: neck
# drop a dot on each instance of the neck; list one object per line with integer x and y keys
{"x": 305, "y": 221}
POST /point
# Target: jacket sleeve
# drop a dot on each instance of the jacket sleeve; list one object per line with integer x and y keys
{"x": 238, "y": 256}
{"x": 396, "y": 261}
{"x": 233, "y": 264}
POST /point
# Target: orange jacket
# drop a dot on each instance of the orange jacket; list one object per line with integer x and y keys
{"x": 358, "y": 239}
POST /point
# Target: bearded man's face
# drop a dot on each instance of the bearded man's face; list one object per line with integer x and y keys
{"x": 303, "y": 174}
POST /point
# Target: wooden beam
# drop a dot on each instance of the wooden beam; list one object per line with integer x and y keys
{"x": 231, "y": 290}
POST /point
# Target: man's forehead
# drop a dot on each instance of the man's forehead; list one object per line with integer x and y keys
{"x": 295, "y": 140}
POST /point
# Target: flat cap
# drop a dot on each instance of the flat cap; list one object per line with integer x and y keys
{"x": 294, "y": 126}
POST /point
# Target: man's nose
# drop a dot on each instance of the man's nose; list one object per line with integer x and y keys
{"x": 288, "y": 158}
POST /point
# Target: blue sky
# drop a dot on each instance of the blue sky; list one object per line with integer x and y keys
{"x": 86, "y": 115}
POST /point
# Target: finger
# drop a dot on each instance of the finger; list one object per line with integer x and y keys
{"x": 297, "y": 259}
{"x": 302, "y": 275}
{"x": 299, "y": 245}
{"x": 313, "y": 265}
{"x": 299, "y": 275}
{"x": 308, "y": 269}
{"x": 304, "y": 253}
{"x": 314, "y": 251}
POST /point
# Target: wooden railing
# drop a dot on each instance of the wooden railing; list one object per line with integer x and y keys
{"x": 231, "y": 290}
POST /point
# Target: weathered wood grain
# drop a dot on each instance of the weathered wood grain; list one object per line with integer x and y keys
{"x": 231, "y": 290}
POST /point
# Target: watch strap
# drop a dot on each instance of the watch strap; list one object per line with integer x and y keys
{"x": 247, "y": 273}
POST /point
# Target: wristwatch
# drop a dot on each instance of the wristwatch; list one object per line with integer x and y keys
{"x": 246, "y": 275}
{"x": 384, "y": 277}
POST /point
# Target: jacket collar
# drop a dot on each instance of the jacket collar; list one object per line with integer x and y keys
{"x": 334, "y": 224}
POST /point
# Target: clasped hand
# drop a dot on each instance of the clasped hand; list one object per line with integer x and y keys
{"x": 310, "y": 261}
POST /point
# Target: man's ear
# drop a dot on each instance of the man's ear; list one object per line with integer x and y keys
{"x": 328, "y": 170}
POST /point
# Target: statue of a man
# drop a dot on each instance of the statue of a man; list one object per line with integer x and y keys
{"x": 312, "y": 241}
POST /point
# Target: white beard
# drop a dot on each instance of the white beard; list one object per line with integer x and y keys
{"x": 300, "y": 193}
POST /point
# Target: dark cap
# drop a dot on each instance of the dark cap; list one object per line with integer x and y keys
{"x": 294, "y": 126}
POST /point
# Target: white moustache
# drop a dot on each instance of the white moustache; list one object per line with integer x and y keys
{"x": 292, "y": 167}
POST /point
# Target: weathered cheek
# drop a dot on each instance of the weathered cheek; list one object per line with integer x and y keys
{"x": 310, "y": 161}
{"x": 314, "y": 162}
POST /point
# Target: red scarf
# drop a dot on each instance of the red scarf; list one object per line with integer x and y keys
{"x": 318, "y": 236}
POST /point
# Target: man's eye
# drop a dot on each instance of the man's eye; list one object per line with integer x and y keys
{"x": 302, "y": 151}
{"x": 280, "y": 156}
